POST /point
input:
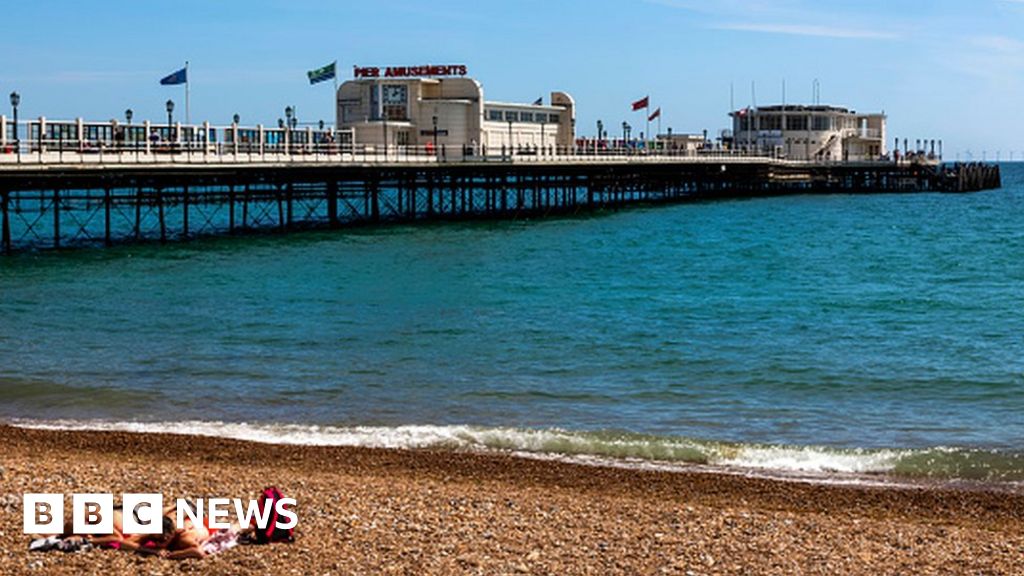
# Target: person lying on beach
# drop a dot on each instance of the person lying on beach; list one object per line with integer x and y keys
{"x": 69, "y": 541}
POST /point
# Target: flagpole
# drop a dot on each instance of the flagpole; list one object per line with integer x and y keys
{"x": 334, "y": 96}
{"x": 188, "y": 110}
{"x": 647, "y": 114}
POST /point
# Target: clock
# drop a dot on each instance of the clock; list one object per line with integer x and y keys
{"x": 394, "y": 94}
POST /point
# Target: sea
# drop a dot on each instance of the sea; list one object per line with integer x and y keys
{"x": 836, "y": 336}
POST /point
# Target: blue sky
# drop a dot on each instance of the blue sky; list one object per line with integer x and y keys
{"x": 950, "y": 69}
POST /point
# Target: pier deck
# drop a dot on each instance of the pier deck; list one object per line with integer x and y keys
{"x": 48, "y": 202}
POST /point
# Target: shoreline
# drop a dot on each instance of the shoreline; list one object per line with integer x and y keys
{"x": 369, "y": 510}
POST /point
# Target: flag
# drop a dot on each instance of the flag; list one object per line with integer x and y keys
{"x": 179, "y": 77}
{"x": 321, "y": 74}
{"x": 539, "y": 101}
{"x": 655, "y": 114}
{"x": 641, "y": 103}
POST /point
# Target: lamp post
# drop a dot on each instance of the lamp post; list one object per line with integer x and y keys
{"x": 128, "y": 122}
{"x": 670, "y": 145}
{"x": 15, "y": 101}
{"x": 170, "y": 120}
{"x": 288, "y": 113}
{"x": 600, "y": 131}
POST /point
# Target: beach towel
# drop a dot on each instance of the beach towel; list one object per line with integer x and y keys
{"x": 220, "y": 541}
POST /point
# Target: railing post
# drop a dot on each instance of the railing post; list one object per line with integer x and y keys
{"x": 149, "y": 143}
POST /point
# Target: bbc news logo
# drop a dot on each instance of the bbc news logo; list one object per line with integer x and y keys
{"x": 93, "y": 514}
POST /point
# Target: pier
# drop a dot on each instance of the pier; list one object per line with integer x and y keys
{"x": 56, "y": 195}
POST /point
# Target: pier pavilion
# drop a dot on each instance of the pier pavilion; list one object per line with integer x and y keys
{"x": 811, "y": 133}
{"x": 439, "y": 106}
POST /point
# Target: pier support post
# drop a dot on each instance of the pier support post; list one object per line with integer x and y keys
{"x": 245, "y": 207}
{"x": 332, "y": 203}
{"x": 138, "y": 213}
{"x": 5, "y": 222}
{"x": 160, "y": 214}
{"x": 56, "y": 218}
{"x": 289, "y": 193}
{"x": 231, "y": 200}
{"x": 184, "y": 211}
{"x": 280, "y": 207}
{"x": 106, "y": 216}
{"x": 374, "y": 189}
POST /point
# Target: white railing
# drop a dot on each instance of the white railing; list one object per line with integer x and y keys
{"x": 113, "y": 144}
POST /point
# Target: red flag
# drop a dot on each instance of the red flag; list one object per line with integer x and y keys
{"x": 641, "y": 103}
{"x": 655, "y": 114}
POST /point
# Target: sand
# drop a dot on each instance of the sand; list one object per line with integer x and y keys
{"x": 368, "y": 511}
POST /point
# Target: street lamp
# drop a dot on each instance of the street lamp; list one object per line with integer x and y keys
{"x": 236, "y": 118}
{"x": 288, "y": 112}
{"x": 625, "y": 132}
{"x": 128, "y": 122}
{"x": 15, "y": 101}
{"x": 170, "y": 120}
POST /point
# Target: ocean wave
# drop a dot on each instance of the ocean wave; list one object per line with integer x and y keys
{"x": 941, "y": 463}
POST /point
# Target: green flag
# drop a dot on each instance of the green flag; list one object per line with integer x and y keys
{"x": 321, "y": 74}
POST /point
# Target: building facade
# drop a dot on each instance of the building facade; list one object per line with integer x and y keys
{"x": 437, "y": 106}
{"x": 815, "y": 133}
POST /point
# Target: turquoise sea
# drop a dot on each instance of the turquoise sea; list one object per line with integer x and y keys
{"x": 877, "y": 334}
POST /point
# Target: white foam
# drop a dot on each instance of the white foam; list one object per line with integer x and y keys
{"x": 815, "y": 459}
{"x": 589, "y": 448}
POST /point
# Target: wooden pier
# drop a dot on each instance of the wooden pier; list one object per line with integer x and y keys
{"x": 58, "y": 205}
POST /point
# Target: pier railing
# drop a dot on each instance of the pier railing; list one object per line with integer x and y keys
{"x": 76, "y": 142}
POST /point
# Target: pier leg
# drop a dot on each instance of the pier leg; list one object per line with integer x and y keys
{"x": 106, "y": 216}
{"x": 184, "y": 211}
{"x": 231, "y": 208}
{"x": 56, "y": 218}
{"x": 245, "y": 207}
{"x": 160, "y": 214}
{"x": 280, "y": 208}
{"x": 5, "y": 221}
{"x": 138, "y": 213}
{"x": 332, "y": 203}
{"x": 374, "y": 201}
{"x": 289, "y": 198}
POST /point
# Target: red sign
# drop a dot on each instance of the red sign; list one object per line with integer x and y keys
{"x": 409, "y": 71}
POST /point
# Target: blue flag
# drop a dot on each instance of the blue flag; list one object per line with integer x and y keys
{"x": 179, "y": 77}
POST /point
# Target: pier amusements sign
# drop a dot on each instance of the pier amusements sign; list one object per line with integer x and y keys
{"x": 409, "y": 71}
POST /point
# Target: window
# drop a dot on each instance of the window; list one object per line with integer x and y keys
{"x": 526, "y": 116}
{"x": 554, "y": 118}
{"x": 821, "y": 123}
{"x": 512, "y": 116}
{"x": 796, "y": 123}
{"x": 494, "y": 115}
{"x": 770, "y": 122}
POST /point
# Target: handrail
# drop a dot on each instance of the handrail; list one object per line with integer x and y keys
{"x": 156, "y": 144}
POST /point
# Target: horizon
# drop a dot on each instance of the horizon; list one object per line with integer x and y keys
{"x": 948, "y": 72}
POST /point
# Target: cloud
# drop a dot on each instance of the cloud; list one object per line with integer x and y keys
{"x": 806, "y": 30}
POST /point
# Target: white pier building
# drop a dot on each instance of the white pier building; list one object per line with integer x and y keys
{"x": 814, "y": 133}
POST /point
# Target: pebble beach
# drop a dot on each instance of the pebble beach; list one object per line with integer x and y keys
{"x": 376, "y": 511}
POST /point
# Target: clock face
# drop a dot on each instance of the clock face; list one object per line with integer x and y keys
{"x": 394, "y": 94}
